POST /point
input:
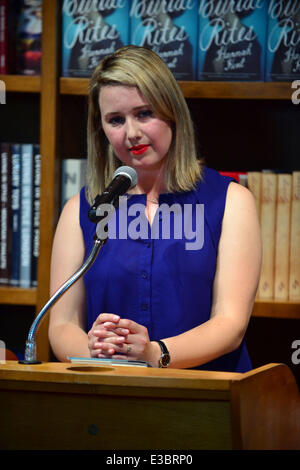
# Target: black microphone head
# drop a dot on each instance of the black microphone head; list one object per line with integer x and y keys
{"x": 129, "y": 172}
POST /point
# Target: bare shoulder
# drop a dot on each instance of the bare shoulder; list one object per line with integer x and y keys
{"x": 239, "y": 198}
{"x": 71, "y": 209}
{"x": 68, "y": 226}
{"x": 240, "y": 216}
{"x": 68, "y": 244}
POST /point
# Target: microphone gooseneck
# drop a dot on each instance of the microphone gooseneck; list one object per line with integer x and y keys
{"x": 124, "y": 178}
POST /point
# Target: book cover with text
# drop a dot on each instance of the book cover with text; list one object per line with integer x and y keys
{"x": 15, "y": 214}
{"x": 91, "y": 31}
{"x": 26, "y": 214}
{"x": 283, "y": 41}
{"x": 170, "y": 29}
{"x": 232, "y": 40}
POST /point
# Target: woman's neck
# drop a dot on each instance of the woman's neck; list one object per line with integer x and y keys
{"x": 150, "y": 183}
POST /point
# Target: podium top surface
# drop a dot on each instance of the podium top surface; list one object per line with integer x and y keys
{"x": 137, "y": 378}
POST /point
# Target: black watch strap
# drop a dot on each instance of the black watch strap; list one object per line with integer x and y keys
{"x": 164, "y": 359}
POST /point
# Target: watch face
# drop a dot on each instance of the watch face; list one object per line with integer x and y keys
{"x": 165, "y": 360}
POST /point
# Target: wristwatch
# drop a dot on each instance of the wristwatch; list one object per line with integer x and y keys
{"x": 164, "y": 359}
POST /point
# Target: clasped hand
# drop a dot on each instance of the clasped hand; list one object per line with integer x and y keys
{"x": 114, "y": 337}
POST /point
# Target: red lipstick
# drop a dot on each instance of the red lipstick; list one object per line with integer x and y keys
{"x": 139, "y": 149}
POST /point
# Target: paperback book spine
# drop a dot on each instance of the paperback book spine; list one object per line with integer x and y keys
{"x": 3, "y": 36}
{"x": 15, "y": 214}
{"x": 282, "y": 241}
{"x": 294, "y": 286}
{"x": 268, "y": 224}
{"x": 35, "y": 214}
{"x": 254, "y": 184}
{"x": 73, "y": 178}
{"x": 5, "y": 214}
{"x": 26, "y": 215}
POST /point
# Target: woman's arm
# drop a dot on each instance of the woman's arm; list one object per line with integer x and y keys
{"x": 67, "y": 317}
{"x": 235, "y": 285}
{"x": 234, "y": 290}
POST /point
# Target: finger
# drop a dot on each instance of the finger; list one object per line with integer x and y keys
{"x": 131, "y": 325}
{"x": 104, "y": 333}
{"x": 121, "y": 331}
{"x": 107, "y": 317}
{"x": 95, "y": 352}
{"x": 113, "y": 341}
{"x": 110, "y": 348}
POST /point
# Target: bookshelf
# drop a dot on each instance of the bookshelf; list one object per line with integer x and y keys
{"x": 210, "y": 90}
{"x": 21, "y": 83}
{"x": 53, "y": 90}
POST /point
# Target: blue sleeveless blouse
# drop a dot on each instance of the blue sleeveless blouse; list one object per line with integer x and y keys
{"x": 156, "y": 280}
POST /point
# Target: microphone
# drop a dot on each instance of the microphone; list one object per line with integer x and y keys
{"x": 124, "y": 178}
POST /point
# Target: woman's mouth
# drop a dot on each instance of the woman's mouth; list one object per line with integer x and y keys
{"x": 139, "y": 149}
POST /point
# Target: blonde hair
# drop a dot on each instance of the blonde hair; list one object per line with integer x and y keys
{"x": 139, "y": 67}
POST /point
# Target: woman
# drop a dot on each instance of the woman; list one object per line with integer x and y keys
{"x": 139, "y": 292}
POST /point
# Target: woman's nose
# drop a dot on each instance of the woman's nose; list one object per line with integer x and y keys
{"x": 133, "y": 129}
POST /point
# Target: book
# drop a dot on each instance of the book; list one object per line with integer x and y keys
{"x": 3, "y": 36}
{"x": 254, "y": 185}
{"x": 73, "y": 177}
{"x": 15, "y": 214}
{"x": 91, "y": 31}
{"x": 35, "y": 213}
{"x": 282, "y": 239}
{"x": 9, "y": 10}
{"x": 283, "y": 44}
{"x": 239, "y": 176}
{"x": 170, "y": 29}
{"x": 5, "y": 166}
{"x": 232, "y": 40}
{"x": 294, "y": 284}
{"x": 94, "y": 361}
{"x": 268, "y": 224}
{"x": 26, "y": 214}
{"x": 29, "y": 38}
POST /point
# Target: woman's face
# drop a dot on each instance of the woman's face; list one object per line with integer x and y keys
{"x": 139, "y": 138}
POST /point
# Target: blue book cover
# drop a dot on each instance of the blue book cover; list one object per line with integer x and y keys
{"x": 5, "y": 176}
{"x": 232, "y": 40}
{"x": 35, "y": 213}
{"x": 26, "y": 214}
{"x": 283, "y": 41}
{"x": 170, "y": 29}
{"x": 91, "y": 31}
{"x": 15, "y": 214}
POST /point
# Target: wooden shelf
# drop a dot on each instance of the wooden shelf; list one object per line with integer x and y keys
{"x": 276, "y": 309}
{"x": 22, "y": 83}
{"x": 18, "y": 296}
{"x": 73, "y": 86}
{"x": 237, "y": 90}
{"x": 211, "y": 90}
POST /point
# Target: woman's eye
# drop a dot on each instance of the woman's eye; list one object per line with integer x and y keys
{"x": 145, "y": 113}
{"x": 116, "y": 120}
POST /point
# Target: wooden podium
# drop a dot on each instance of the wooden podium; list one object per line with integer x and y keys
{"x": 72, "y": 406}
